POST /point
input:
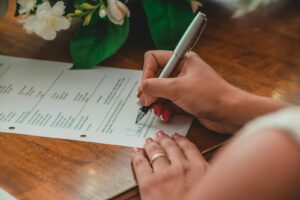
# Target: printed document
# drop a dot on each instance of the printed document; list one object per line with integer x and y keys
{"x": 46, "y": 98}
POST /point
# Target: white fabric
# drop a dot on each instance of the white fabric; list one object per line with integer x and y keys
{"x": 287, "y": 120}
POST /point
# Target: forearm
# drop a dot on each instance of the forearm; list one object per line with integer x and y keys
{"x": 259, "y": 166}
{"x": 241, "y": 107}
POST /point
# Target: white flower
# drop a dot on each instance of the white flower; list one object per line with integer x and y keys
{"x": 102, "y": 11}
{"x": 26, "y": 6}
{"x": 195, "y": 5}
{"x": 243, "y": 7}
{"x": 116, "y": 11}
{"x": 47, "y": 21}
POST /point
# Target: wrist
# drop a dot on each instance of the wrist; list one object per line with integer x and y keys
{"x": 242, "y": 107}
{"x": 232, "y": 107}
{"x": 219, "y": 114}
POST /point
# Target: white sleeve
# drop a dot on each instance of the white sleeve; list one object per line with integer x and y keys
{"x": 287, "y": 120}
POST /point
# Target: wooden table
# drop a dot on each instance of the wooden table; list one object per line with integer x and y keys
{"x": 259, "y": 53}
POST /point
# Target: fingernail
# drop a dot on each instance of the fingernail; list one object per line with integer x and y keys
{"x": 152, "y": 111}
{"x": 159, "y": 133}
{"x": 149, "y": 140}
{"x": 161, "y": 118}
{"x": 166, "y": 115}
{"x": 136, "y": 149}
{"x": 175, "y": 136}
{"x": 139, "y": 93}
{"x": 157, "y": 110}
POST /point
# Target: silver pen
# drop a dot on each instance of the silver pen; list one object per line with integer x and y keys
{"x": 186, "y": 43}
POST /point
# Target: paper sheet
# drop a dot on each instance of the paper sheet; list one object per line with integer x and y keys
{"x": 5, "y": 195}
{"x": 44, "y": 98}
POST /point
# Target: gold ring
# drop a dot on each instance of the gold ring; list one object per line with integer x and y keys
{"x": 155, "y": 156}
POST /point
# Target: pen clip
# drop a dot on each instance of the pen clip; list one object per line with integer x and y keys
{"x": 197, "y": 37}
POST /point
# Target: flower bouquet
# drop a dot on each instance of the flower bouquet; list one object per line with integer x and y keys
{"x": 104, "y": 24}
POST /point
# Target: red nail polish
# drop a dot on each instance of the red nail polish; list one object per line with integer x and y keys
{"x": 139, "y": 93}
{"x": 165, "y": 115}
{"x": 157, "y": 110}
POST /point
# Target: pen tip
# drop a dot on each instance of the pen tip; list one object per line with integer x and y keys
{"x": 139, "y": 117}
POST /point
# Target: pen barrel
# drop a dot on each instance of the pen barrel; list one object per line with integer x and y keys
{"x": 170, "y": 66}
{"x": 188, "y": 40}
{"x": 191, "y": 35}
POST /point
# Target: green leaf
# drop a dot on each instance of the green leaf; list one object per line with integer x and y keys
{"x": 96, "y": 42}
{"x": 167, "y": 20}
{"x": 87, "y": 6}
{"x": 79, "y": 2}
{"x": 87, "y": 19}
{"x": 3, "y": 7}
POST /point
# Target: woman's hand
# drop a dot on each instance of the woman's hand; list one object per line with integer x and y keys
{"x": 197, "y": 89}
{"x": 174, "y": 173}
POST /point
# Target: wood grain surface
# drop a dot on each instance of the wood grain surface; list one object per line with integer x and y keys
{"x": 259, "y": 53}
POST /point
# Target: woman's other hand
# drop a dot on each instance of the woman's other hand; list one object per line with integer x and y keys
{"x": 174, "y": 173}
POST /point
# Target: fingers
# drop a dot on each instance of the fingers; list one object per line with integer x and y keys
{"x": 153, "y": 60}
{"x": 189, "y": 149}
{"x": 175, "y": 154}
{"x": 163, "y": 110}
{"x": 157, "y": 108}
{"x": 178, "y": 150}
{"x": 140, "y": 164}
{"x": 153, "y": 148}
{"x": 167, "y": 88}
